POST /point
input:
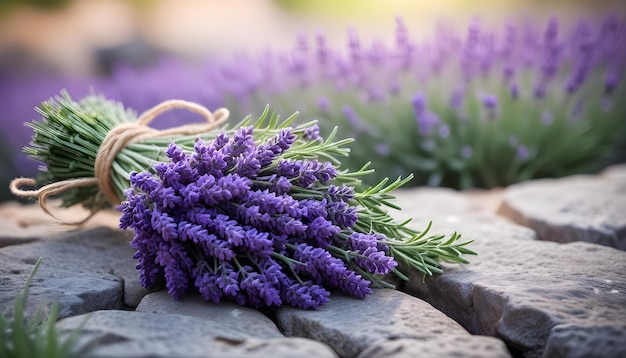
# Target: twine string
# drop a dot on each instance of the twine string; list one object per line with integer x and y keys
{"x": 115, "y": 140}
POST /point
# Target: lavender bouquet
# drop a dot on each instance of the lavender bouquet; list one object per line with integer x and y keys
{"x": 260, "y": 214}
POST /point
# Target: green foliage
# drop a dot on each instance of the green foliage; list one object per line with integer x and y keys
{"x": 495, "y": 107}
{"x": 36, "y": 336}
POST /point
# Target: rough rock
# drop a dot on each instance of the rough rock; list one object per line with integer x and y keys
{"x": 444, "y": 346}
{"x": 525, "y": 291}
{"x": 351, "y": 325}
{"x": 240, "y": 318}
{"x": 116, "y": 333}
{"x": 577, "y": 208}
{"x": 84, "y": 271}
{"x": 574, "y": 341}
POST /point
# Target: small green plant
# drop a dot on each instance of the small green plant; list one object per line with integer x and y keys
{"x": 35, "y": 336}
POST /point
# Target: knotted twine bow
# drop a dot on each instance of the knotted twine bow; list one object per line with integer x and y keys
{"x": 115, "y": 140}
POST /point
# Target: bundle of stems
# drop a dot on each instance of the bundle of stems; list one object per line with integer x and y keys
{"x": 69, "y": 135}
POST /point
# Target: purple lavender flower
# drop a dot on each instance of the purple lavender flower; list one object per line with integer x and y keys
{"x": 306, "y": 295}
{"x": 546, "y": 59}
{"x": 354, "y": 120}
{"x": 306, "y": 173}
{"x": 514, "y": 90}
{"x": 342, "y": 214}
{"x": 312, "y": 208}
{"x": 322, "y": 231}
{"x": 522, "y": 151}
{"x": 280, "y": 184}
{"x": 164, "y": 225}
{"x": 207, "y": 285}
{"x": 312, "y": 133}
{"x": 490, "y": 101}
{"x": 456, "y": 100}
{"x": 323, "y": 104}
{"x": 260, "y": 291}
{"x": 340, "y": 193}
{"x": 323, "y": 267}
{"x": 424, "y": 118}
{"x": 144, "y": 181}
{"x": 444, "y": 131}
{"x": 466, "y": 151}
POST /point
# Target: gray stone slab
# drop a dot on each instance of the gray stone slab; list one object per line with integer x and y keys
{"x": 242, "y": 318}
{"x": 115, "y": 333}
{"x": 445, "y": 346}
{"x": 577, "y": 208}
{"x": 82, "y": 270}
{"x": 522, "y": 290}
{"x": 351, "y": 325}
{"x": 575, "y": 341}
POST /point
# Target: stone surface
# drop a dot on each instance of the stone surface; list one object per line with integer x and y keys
{"x": 351, "y": 325}
{"x": 84, "y": 271}
{"x": 574, "y": 341}
{"x": 577, "y": 208}
{"x": 522, "y": 290}
{"x": 541, "y": 298}
{"x": 240, "y": 318}
{"x": 116, "y": 333}
{"x": 442, "y": 346}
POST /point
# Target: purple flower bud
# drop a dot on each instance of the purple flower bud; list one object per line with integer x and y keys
{"x": 165, "y": 198}
{"x": 323, "y": 104}
{"x": 164, "y": 225}
{"x": 456, "y": 101}
{"x": 342, "y": 214}
{"x": 145, "y": 181}
{"x": 514, "y": 91}
{"x": 353, "y": 119}
{"x": 383, "y": 149}
{"x": 425, "y": 119}
{"x": 312, "y": 133}
{"x": 149, "y": 271}
{"x": 466, "y": 151}
{"x": 320, "y": 265}
{"x": 340, "y": 193}
{"x": 444, "y": 131}
{"x": 257, "y": 242}
{"x": 321, "y": 231}
{"x": 207, "y": 285}
{"x": 323, "y": 53}
{"x": 375, "y": 94}
{"x": 490, "y": 101}
{"x": 306, "y": 295}
{"x": 375, "y": 261}
{"x": 247, "y": 165}
{"x": 611, "y": 81}
{"x": 175, "y": 153}
{"x": 522, "y": 152}
{"x": 540, "y": 91}
{"x": 312, "y": 208}
{"x": 260, "y": 291}
{"x": 176, "y": 280}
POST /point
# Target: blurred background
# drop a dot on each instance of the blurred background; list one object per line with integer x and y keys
{"x": 84, "y": 37}
{"x": 47, "y": 45}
